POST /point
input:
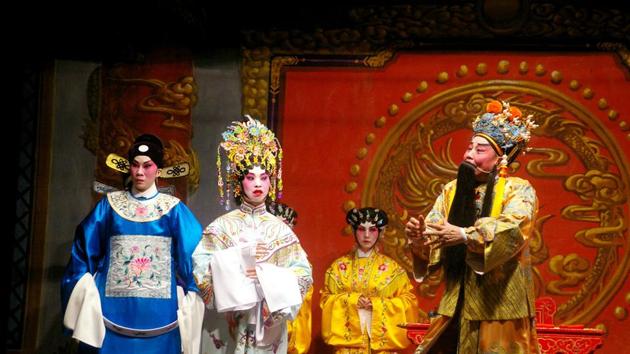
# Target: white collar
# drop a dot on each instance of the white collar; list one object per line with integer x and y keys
{"x": 147, "y": 194}
{"x": 362, "y": 254}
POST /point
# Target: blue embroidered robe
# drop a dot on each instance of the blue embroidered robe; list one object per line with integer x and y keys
{"x": 138, "y": 251}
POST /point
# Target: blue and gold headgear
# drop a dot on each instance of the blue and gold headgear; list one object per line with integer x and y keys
{"x": 506, "y": 130}
{"x": 248, "y": 144}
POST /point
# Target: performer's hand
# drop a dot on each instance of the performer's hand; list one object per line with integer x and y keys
{"x": 251, "y": 273}
{"x": 414, "y": 230}
{"x": 261, "y": 250}
{"x": 364, "y": 303}
{"x": 443, "y": 235}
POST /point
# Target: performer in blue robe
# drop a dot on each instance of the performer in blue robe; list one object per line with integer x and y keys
{"x": 137, "y": 245}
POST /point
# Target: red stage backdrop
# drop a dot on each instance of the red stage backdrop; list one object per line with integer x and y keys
{"x": 390, "y": 137}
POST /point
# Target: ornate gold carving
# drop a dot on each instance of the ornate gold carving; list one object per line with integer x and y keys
{"x": 379, "y": 60}
{"x": 172, "y": 99}
{"x": 277, "y": 64}
{"x": 555, "y": 157}
{"x": 607, "y": 193}
{"x": 410, "y": 26}
{"x": 255, "y": 82}
{"x": 621, "y": 50}
{"x": 572, "y": 270}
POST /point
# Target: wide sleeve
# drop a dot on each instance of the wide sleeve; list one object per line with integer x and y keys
{"x": 395, "y": 305}
{"x": 496, "y": 239}
{"x": 340, "y": 318}
{"x": 301, "y": 267}
{"x": 186, "y": 232}
{"x": 87, "y": 249}
{"x": 201, "y": 258}
{"x": 287, "y": 252}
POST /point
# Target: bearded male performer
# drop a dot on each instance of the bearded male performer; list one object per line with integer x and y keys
{"x": 477, "y": 235}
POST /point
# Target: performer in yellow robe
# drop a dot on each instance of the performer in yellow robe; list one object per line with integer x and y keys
{"x": 477, "y": 236}
{"x": 299, "y": 330}
{"x": 367, "y": 294}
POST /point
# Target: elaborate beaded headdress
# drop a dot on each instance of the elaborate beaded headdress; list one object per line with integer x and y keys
{"x": 506, "y": 130}
{"x": 356, "y": 217}
{"x": 247, "y": 144}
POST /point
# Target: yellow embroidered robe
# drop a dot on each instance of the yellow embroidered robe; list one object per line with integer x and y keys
{"x": 498, "y": 294}
{"x": 300, "y": 329}
{"x": 386, "y": 283}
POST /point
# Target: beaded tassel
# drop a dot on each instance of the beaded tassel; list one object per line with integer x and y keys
{"x": 227, "y": 200}
{"x": 503, "y": 167}
{"x": 279, "y": 170}
{"x": 219, "y": 176}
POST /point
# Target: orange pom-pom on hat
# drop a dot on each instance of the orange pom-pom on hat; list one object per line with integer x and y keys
{"x": 515, "y": 112}
{"x": 494, "y": 107}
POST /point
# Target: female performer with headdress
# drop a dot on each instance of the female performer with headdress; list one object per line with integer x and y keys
{"x": 250, "y": 266}
{"x": 366, "y": 294}
{"x": 477, "y": 235}
{"x": 119, "y": 291}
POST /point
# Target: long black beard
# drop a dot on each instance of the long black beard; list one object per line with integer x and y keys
{"x": 463, "y": 213}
